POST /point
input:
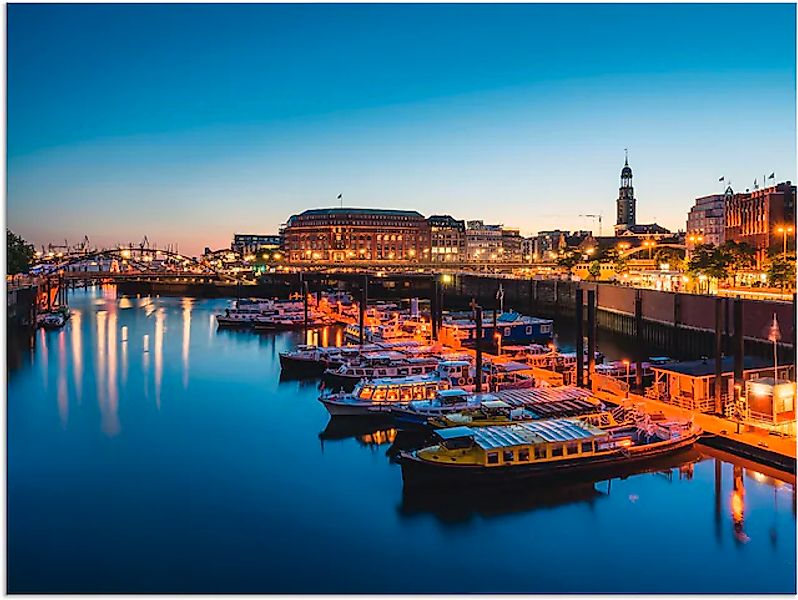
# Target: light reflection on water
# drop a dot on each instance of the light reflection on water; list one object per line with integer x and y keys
{"x": 150, "y": 452}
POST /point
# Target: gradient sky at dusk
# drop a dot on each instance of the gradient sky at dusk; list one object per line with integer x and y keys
{"x": 188, "y": 123}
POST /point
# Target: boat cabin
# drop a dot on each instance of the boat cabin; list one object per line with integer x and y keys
{"x": 770, "y": 403}
{"x": 522, "y": 443}
{"x": 398, "y": 390}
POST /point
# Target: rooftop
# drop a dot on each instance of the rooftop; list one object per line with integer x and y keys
{"x": 360, "y": 211}
{"x": 705, "y": 367}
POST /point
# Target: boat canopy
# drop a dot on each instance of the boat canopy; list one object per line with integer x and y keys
{"x": 453, "y": 393}
{"x": 535, "y": 432}
{"x": 453, "y": 433}
{"x": 495, "y": 404}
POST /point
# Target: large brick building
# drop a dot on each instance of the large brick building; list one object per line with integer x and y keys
{"x": 345, "y": 234}
{"x": 448, "y": 239}
{"x": 755, "y": 217}
{"x": 706, "y": 221}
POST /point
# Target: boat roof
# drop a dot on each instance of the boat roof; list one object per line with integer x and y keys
{"x": 454, "y": 363}
{"x": 452, "y": 393}
{"x": 495, "y": 404}
{"x": 417, "y": 379}
{"x": 451, "y": 433}
{"x": 534, "y": 432}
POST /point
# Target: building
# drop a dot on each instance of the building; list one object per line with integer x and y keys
{"x": 511, "y": 250}
{"x": 528, "y": 248}
{"x": 626, "y": 202}
{"x": 706, "y": 221}
{"x": 755, "y": 218}
{"x": 548, "y": 243}
{"x": 483, "y": 242}
{"x": 343, "y": 234}
{"x": 247, "y": 243}
{"x": 447, "y": 239}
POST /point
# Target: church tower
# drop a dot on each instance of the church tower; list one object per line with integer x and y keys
{"x": 626, "y": 199}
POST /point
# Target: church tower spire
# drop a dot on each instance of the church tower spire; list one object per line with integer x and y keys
{"x": 626, "y": 202}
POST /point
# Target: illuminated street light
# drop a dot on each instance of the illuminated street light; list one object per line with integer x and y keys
{"x": 784, "y": 230}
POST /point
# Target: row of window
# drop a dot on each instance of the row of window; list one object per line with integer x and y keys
{"x": 540, "y": 452}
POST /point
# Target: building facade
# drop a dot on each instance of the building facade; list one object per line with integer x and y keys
{"x": 346, "y": 234}
{"x": 447, "y": 239}
{"x": 511, "y": 250}
{"x": 626, "y": 203}
{"x": 755, "y": 218}
{"x": 706, "y": 221}
{"x": 483, "y": 242}
{"x": 548, "y": 243}
{"x": 246, "y": 243}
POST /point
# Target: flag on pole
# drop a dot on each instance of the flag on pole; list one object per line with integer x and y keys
{"x": 774, "y": 334}
{"x": 755, "y": 185}
{"x": 722, "y": 178}
{"x": 340, "y": 196}
{"x": 772, "y": 176}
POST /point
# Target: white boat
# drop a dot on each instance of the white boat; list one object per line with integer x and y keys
{"x": 369, "y": 397}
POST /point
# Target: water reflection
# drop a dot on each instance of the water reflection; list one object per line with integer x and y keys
{"x": 75, "y": 326}
{"x": 368, "y": 432}
{"x": 63, "y": 393}
{"x": 187, "y": 304}
{"x": 158, "y": 353}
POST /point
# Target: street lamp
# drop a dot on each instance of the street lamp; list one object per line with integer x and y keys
{"x": 627, "y": 364}
{"x": 784, "y": 231}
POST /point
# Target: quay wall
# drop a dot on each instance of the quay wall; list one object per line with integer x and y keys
{"x": 682, "y": 324}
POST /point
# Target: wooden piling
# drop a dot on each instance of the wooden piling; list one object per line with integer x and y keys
{"x": 591, "y": 335}
{"x": 718, "y": 355}
{"x": 638, "y": 340}
{"x": 580, "y": 342}
{"x": 478, "y": 333}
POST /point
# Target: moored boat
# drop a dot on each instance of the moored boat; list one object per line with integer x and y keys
{"x": 537, "y": 449}
{"x": 369, "y": 397}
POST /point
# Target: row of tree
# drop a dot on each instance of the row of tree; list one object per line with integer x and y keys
{"x": 19, "y": 253}
{"x": 720, "y": 263}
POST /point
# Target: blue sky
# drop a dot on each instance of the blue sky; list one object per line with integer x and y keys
{"x": 190, "y": 122}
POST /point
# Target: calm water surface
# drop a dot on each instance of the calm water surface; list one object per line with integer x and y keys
{"x": 149, "y": 452}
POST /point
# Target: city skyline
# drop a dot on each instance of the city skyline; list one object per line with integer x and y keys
{"x": 190, "y": 123}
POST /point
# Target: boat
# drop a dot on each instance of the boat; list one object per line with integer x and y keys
{"x": 381, "y": 364}
{"x": 52, "y": 320}
{"x": 369, "y": 397}
{"x": 511, "y": 327}
{"x": 538, "y": 449}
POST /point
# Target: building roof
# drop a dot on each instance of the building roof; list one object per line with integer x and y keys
{"x": 360, "y": 211}
{"x": 704, "y": 367}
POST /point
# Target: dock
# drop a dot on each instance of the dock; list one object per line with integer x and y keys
{"x": 754, "y": 444}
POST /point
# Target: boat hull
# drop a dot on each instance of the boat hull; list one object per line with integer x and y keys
{"x": 347, "y": 409}
{"x": 301, "y": 366}
{"x": 419, "y": 473}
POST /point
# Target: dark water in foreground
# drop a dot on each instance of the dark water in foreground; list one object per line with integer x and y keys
{"x": 149, "y": 452}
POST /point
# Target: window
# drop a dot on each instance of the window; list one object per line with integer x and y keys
{"x": 393, "y": 393}
{"x": 379, "y": 393}
{"x": 431, "y": 389}
{"x": 506, "y": 331}
{"x": 572, "y": 448}
{"x": 508, "y": 456}
{"x": 523, "y": 455}
{"x": 493, "y": 458}
{"x": 540, "y": 452}
{"x": 587, "y": 447}
{"x": 367, "y": 392}
{"x": 556, "y": 450}
{"x": 406, "y": 393}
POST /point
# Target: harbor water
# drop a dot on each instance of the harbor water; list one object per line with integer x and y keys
{"x": 149, "y": 451}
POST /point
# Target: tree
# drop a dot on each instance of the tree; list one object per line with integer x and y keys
{"x": 781, "y": 271}
{"x": 739, "y": 255}
{"x": 672, "y": 256}
{"x": 594, "y": 269}
{"x": 19, "y": 253}
{"x": 708, "y": 261}
{"x": 568, "y": 259}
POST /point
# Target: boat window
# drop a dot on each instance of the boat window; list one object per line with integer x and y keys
{"x": 508, "y": 456}
{"x": 382, "y": 372}
{"x": 379, "y": 393}
{"x": 406, "y": 392}
{"x": 431, "y": 391}
{"x": 416, "y": 370}
{"x": 572, "y": 448}
{"x": 418, "y": 392}
{"x": 556, "y": 450}
{"x": 403, "y": 371}
{"x": 393, "y": 393}
{"x": 523, "y": 455}
{"x": 587, "y": 447}
{"x": 493, "y": 458}
{"x": 540, "y": 452}
{"x": 529, "y": 329}
{"x": 367, "y": 392}
{"x": 506, "y": 331}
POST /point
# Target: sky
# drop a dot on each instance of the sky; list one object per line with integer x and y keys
{"x": 187, "y": 123}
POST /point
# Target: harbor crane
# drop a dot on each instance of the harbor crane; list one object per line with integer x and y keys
{"x": 599, "y": 217}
